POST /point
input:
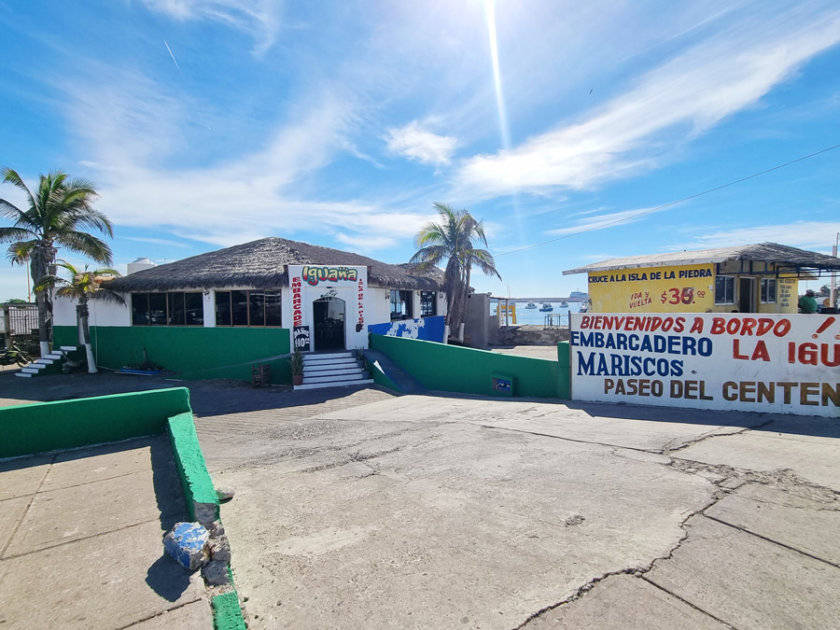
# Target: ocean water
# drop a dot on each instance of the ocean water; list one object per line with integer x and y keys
{"x": 534, "y": 317}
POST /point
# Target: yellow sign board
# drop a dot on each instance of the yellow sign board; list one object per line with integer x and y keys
{"x": 683, "y": 289}
{"x": 509, "y": 310}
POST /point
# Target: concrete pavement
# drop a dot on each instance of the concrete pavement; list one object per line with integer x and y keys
{"x": 437, "y": 512}
{"x": 357, "y": 508}
{"x": 81, "y": 541}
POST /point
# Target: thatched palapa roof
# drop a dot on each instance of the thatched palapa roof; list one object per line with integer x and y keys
{"x": 262, "y": 264}
{"x": 787, "y": 259}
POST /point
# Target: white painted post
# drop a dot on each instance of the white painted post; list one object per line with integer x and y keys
{"x": 90, "y": 360}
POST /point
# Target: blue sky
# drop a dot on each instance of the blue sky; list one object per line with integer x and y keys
{"x": 563, "y": 125}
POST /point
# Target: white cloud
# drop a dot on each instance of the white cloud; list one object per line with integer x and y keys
{"x": 813, "y": 235}
{"x": 366, "y": 242}
{"x": 417, "y": 143}
{"x": 259, "y": 19}
{"x": 684, "y": 96}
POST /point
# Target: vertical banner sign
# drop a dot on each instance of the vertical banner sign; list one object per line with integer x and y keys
{"x": 746, "y": 362}
{"x": 297, "y": 310}
{"x": 360, "y": 324}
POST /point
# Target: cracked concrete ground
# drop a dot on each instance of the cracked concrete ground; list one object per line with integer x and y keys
{"x": 356, "y": 508}
{"x": 440, "y": 512}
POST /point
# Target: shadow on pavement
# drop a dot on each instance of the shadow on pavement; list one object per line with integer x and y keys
{"x": 167, "y": 578}
{"x": 221, "y": 397}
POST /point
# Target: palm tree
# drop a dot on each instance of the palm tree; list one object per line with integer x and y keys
{"x": 454, "y": 240}
{"x": 82, "y": 286}
{"x": 58, "y": 213}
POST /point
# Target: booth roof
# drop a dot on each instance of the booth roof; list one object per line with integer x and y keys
{"x": 787, "y": 259}
{"x": 262, "y": 264}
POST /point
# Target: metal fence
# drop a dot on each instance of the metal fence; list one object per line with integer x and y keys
{"x": 556, "y": 319}
{"x": 20, "y": 324}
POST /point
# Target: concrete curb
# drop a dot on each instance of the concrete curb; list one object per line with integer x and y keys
{"x": 227, "y": 615}
{"x": 203, "y": 505}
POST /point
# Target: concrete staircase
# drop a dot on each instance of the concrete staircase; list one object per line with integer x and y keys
{"x": 49, "y": 364}
{"x": 335, "y": 369}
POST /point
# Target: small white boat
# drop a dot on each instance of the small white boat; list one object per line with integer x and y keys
{"x": 531, "y": 305}
{"x": 545, "y": 308}
{"x": 564, "y": 304}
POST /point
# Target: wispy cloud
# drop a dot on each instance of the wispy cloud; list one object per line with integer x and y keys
{"x": 156, "y": 241}
{"x": 685, "y": 96}
{"x": 365, "y": 243}
{"x": 241, "y": 197}
{"x": 418, "y": 143}
{"x": 816, "y": 235}
{"x": 603, "y": 221}
{"x": 259, "y": 19}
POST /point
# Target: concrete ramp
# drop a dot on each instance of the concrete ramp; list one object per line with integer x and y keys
{"x": 404, "y": 381}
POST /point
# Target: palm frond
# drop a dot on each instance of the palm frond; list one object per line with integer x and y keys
{"x": 11, "y": 176}
{"x": 9, "y": 210}
{"x": 20, "y": 253}
{"x": 86, "y": 244}
{"x": 11, "y": 234}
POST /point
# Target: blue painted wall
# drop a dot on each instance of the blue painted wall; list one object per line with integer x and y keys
{"x": 425, "y": 328}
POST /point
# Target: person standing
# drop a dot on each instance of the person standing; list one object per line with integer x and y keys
{"x": 807, "y": 303}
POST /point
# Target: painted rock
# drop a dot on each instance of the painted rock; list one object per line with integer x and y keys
{"x": 187, "y": 544}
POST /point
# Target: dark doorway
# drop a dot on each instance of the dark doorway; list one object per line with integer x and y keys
{"x": 746, "y": 295}
{"x": 328, "y": 314}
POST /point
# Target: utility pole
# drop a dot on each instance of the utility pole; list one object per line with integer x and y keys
{"x": 832, "y": 290}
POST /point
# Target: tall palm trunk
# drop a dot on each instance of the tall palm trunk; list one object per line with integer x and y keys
{"x": 83, "y": 314}
{"x": 38, "y": 270}
{"x": 452, "y": 280}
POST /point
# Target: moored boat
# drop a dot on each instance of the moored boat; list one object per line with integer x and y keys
{"x": 546, "y": 307}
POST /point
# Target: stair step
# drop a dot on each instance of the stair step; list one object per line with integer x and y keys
{"x": 366, "y": 381}
{"x": 327, "y": 355}
{"x": 334, "y": 379}
{"x": 69, "y": 348}
{"x": 320, "y": 361}
{"x": 332, "y": 367}
{"x": 335, "y": 376}
{"x": 24, "y": 374}
{"x": 32, "y": 370}
{"x": 44, "y": 361}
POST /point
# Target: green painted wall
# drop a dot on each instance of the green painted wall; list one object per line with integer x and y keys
{"x": 40, "y": 427}
{"x": 564, "y": 355}
{"x": 455, "y": 369}
{"x": 380, "y": 378}
{"x": 191, "y": 352}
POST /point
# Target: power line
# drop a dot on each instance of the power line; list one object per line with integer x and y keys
{"x": 673, "y": 203}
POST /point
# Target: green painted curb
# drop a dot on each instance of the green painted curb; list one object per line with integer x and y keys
{"x": 199, "y": 491}
{"x": 227, "y": 615}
